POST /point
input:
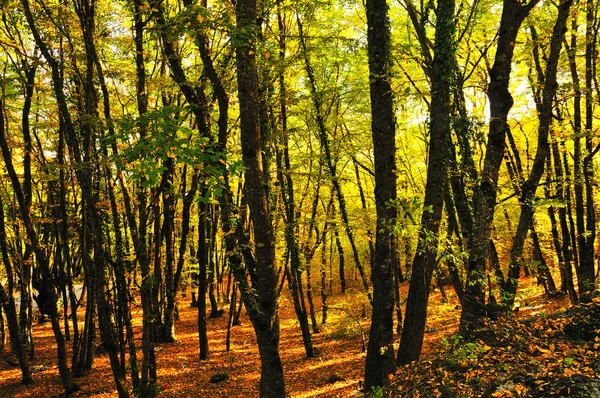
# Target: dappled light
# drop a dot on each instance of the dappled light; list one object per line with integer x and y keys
{"x": 295, "y": 198}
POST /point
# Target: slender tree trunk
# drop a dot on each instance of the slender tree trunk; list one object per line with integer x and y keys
{"x": 64, "y": 371}
{"x": 363, "y": 202}
{"x": 309, "y": 298}
{"x": 8, "y": 303}
{"x": 83, "y": 355}
{"x": 2, "y": 321}
{"x": 124, "y": 295}
{"x": 284, "y": 175}
{"x": 232, "y": 304}
{"x": 324, "y": 140}
{"x": 295, "y": 275}
{"x": 166, "y": 332}
{"x": 437, "y": 172}
{"x": 591, "y": 55}
{"x": 26, "y": 310}
{"x": 202, "y": 279}
{"x": 323, "y": 261}
{"x": 530, "y": 186}
{"x": 139, "y": 231}
{"x": 341, "y": 257}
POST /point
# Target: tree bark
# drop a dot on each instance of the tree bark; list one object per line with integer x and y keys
{"x": 263, "y": 307}
{"x": 202, "y": 282}
{"x": 380, "y": 353}
{"x": 501, "y": 101}
{"x": 437, "y": 173}
{"x": 8, "y": 303}
{"x": 42, "y": 260}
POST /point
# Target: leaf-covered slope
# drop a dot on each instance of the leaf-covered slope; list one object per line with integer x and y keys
{"x": 538, "y": 356}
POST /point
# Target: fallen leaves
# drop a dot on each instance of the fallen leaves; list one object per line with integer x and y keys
{"x": 535, "y": 356}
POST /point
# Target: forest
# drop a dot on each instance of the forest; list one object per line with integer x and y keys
{"x": 187, "y": 180}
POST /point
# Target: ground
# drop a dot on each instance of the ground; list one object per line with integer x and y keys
{"x": 494, "y": 364}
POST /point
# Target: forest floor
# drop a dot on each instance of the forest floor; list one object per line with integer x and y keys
{"x": 520, "y": 356}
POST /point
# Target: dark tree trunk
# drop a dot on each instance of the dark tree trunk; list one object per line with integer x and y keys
{"x": 587, "y": 270}
{"x": 294, "y": 274}
{"x": 188, "y": 200}
{"x": 437, "y": 172}
{"x": 26, "y": 310}
{"x": 83, "y": 150}
{"x": 563, "y": 243}
{"x": 543, "y": 272}
{"x": 232, "y": 304}
{"x": 570, "y": 243}
{"x": 501, "y": 101}
{"x": 363, "y": 202}
{"x": 166, "y": 332}
{"x": 123, "y": 292}
{"x": 42, "y": 260}
{"x": 341, "y": 258}
{"x": 263, "y": 306}
{"x": 453, "y": 229}
{"x": 582, "y": 173}
{"x": 138, "y": 230}
{"x": 213, "y": 288}
{"x": 202, "y": 280}
{"x": 8, "y": 303}
{"x": 323, "y": 261}
{"x": 284, "y": 175}
{"x": 2, "y": 327}
{"x": 380, "y": 353}
{"x": 83, "y": 355}
{"x": 309, "y": 298}
{"x": 64, "y": 237}
{"x": 530, "y": 186}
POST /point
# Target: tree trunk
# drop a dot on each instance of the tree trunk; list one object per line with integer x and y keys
{"x": 437, "y": 172}
{"x": 232, "y": 304}
{"x": 64, "y": 371}
{"x": 501, "y": 101}
{"x": 284, "y": 176}
{"x": 8, "y": 305}
{"x": 202, "y": 279}
{"x": 363, "y": 202}
{"x": 263, "y": 306}
{"x": 167, "y": 329}
{"x": 530, "y": 186}
{"x": 324, "y": 140}
{"x": 587, "y": 270}
{"x": 124, "y": 295}
{"x": 380, "y": 353}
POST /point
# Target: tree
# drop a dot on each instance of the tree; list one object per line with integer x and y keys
{"x": 48, "y": 286}
{"x": 437, "y": 171}
{"x": 513, "y": 14}
{"x": 263, "y": 308}
{"x": 543, "y": 148}
{"x": 380, "y": 353}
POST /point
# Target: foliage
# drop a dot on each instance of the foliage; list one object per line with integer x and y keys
{"x": 512, "y": 357}
{"x": 148, "y": 142}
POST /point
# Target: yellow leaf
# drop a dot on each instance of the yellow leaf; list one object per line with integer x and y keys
{"x": 520, "y": 389}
